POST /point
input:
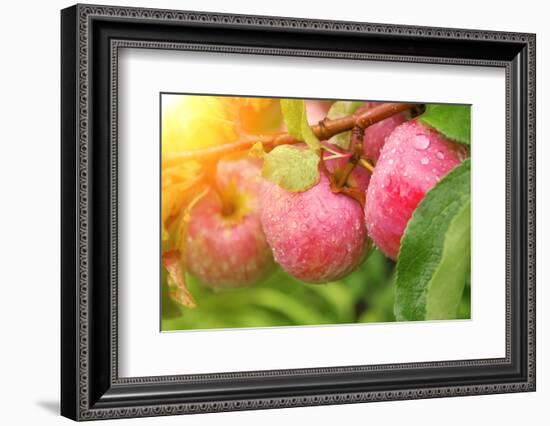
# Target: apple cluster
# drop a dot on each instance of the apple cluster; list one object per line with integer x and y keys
{"x": 238, "y": 233}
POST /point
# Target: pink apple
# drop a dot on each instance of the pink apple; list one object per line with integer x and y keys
{"x": 226, "y": 246}
{"x": 376, "y": 134}
{"x": 413, "y": 159}
{"x": 316, "y": 235}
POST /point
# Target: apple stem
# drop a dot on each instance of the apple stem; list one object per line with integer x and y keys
{"x": 343, "y": 173}
{"x": 363, "y": 162}
{"x": 228, "y": 208}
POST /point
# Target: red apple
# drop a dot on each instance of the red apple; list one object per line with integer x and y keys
{"x": 225, "y": 244}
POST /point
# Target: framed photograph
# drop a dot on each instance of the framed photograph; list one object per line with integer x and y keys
{"x": 263, "y": 212}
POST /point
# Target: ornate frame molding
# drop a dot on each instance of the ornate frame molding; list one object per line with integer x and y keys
{"x": 88, "y": 408}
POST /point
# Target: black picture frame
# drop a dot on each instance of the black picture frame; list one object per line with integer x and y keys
{"x": 90, "y": 38}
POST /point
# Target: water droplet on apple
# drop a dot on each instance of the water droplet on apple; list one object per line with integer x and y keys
{"x": 421, "y": 142}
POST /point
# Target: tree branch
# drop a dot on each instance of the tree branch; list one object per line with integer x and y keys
{"x": 324, "y": 130}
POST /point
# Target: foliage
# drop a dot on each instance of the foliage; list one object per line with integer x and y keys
{"x": 453, "y": 121}
{"x": 291, "y": 168}
{"x": 434, "y": 259}
{"x": 295, "y": 116}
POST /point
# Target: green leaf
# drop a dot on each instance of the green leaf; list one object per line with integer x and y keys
{"x": 453, "y": 121}
{"x": 291, "y": 167}
{"x": 295, "y": 115}
{"x": 434, "y": 257}
{"x": 342, "y": 109}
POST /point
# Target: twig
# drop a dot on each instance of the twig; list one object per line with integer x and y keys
{"x": 324, "y": 130}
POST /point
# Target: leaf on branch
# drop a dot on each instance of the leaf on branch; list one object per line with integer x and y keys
{"x": 341, "y": 109}
{"x": 295, "y": 116}
{"x": 292, "y": 168}
{"x": 434, "y": 258}
{"x": 176, "y": 279}
{"x": 453, "y": 121}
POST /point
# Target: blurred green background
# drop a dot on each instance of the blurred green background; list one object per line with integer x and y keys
{"x": 364, "y": 296}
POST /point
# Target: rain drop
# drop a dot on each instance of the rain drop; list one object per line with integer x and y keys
{"x": 425, "y": 160}
{"x": 421, "y": 142}
{"x": 440, "y": 155}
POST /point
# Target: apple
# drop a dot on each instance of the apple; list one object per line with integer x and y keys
{"x": 225, "y": 244}
{"x": 413, "y": 159}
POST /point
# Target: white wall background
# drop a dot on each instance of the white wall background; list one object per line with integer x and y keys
{"x": 29, "y": 212}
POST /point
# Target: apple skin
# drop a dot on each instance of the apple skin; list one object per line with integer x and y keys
{"x": 243, "y": 172}
{"x": 316, "y": 236}
{"x": 413, "y": 159}
{"x": 316, "y": 110}
{"x": 229, "y": 250}
{"x": 377, "y": 133}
